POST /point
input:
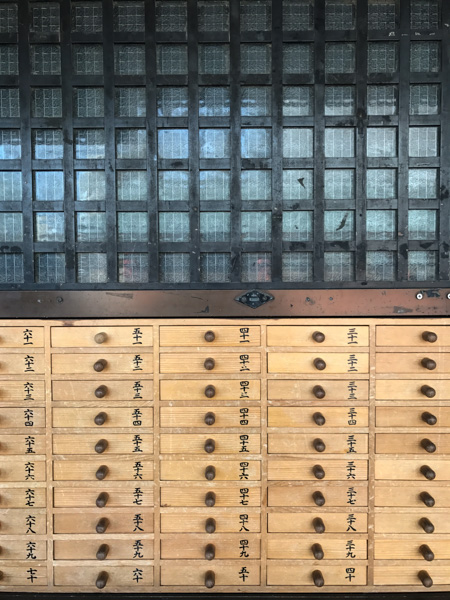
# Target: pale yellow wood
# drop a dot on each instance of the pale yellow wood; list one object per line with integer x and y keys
{"x": 303, "y": 416}
{"x": 119, "y": 548}
{"x": 298, "y": 389}
{"x": 302, "y": 495}
{"x": 26, "y": 443}
{"x": 293, "y": 547}
{"x": 25, "y": 364}
{"x": 194, "y": 495}
{"x": 303, "y": 362}
{"x": 411, "y": 416}
{"x": 243, "y": 417}
{"x": 246, "y": 389}
{"x": 27, "y": 469}
{"x": 405, "y": 573}
{"x": 27, "y": 417}
{"x": 410, "y": 362}
{"x": 135, "y": 390}
{"x": 224, "y": 443}
{"x": 19, "y": 549}
{"x": 118, "y": 443}
{"x": 119, "y": 469}
{"x": 122, "y": 576}
{"x": 242, "y": 363}
{"x": 302, "y": 442}
{"x": 29, "y": 392}
{"x": 137, "y": 364}
{"x": 136, "y": 416}
{"x": 409, "y": 549}
{"x": 411, "y": 335}
{"x": 21, "y": 497}
{"x": 18, "y": 576}
{"x": 16, "y": 521}
{"x": 226, "y": 470}
{"x": 184, "y": 573}
{"x": 409, "y": 469}
{"x": 21, "y": 337}
{"x": 407, "y": 495}
{"x": 343, "y": 522}
{"x": 302, "y": 469}
{"x": 410, "y": 443}
{"x": 193, "y": 335}
{"x": 71, "y": 337}
{"x": 227, "y": 546}
{"x": 299, "y": 335}
{"x": 402, "y": 521}
{"x": 410, "y": 389}
{"x": 225, "y": 522}
{"x": 80, "y": 497}
{"x": 297, "y": 573}
{"x": 118, "y": 521}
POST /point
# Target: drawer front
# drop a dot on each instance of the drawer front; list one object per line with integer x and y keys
{"x": 117, "y": 497}
{"x": 405, "y": 573}
{"x": 313, "y": 443}
{"x": 307, "y": 362}
{"x": 404, "y": 522}
{"x": 18, "y": 576}
{"x": 412, "y": 443}
{"x": 28, "y": 391}
{"x": 292, "y": 547}
{"x": 187, "y": 573}
{"x": 239, "y": 495}
{"x": 210, "y": 417}
{"x": 28, "y": 522}
{"x": 412, "y": 389}
{"x": 194, "y": 362}
{"x": 318, "y": 416}
{"x": 28, "y": 417}
{"x": 225, "y": 522}
{"x": 23, "y": 363}
{"x": 412, "y": 335}
{"x": 29, "y": 469}
{"x": 132, "y": 364}
{"x": 118, "y": 548}
{"x": 409, "y": 469}
{"x": 21, "y": 497}
{"x": 214, "y": 335}
{"x": 411, "y": 362}
{"x": 22, "y": 337}
{"x": 310, "y": 335}
{"x": 200, "y": 389}
{"x": 225, "y": 470}
{"x": 304, "y": 522}
{"x": 96, "y": 337}
{"x": 117, "y": 576}
{"x": 204, "y": 443}
{"x": 137, "y": 469}
{"x": 303, "y": 470}
{"x": 306, "y": 390}
{"x": 111, "y": 390}
{"x": 409, "y": 549}
{"x": 192, "y": 547}
{"x": 280, "y": 572}
{"x": 116, "y": 522}
{"x": 22, "y": 444}
{"x": 412, "y": 416}
{"x": 302, "y": 495}
{"x": 113, "y": 443}
{"x": 138, "y": 417}
{"x": 21, "y": 549}
{"x": 409, "y": 496}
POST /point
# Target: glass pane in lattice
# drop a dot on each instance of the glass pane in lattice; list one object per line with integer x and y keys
{"x": 215, "y": 187}
{"x": 381, "y": 225}
{"x": 131, "y": 186}
{"x": 9, "y": 103}
{"x": 91, "y": 267}
{"x": 382, "y": 14}
{"x": 256, "y": 185}
{"x": 129, "y": 16}
{"x": 132, "y": 267}
{"x": 382, "y": 57}
{"x": 380, "y": 266}
{"x": 298, "y": 58}
{"x": 422, "y": 266}
{"x": 131, "y": 143}
{"x": 382, "y": 100}
{"x": 215, "y": 267}
{"x": 298, "y": 15}
{"x": 132, "y": 226}
{"x": 297, "y": 226}
{"x": 173, "y": 186}
{"x": 338, "y": 266}
{"x": 90, "y": 186}
{"x": 422, "y": 225}
{"x": 298, "y": 184}
{"x": 213, "y": 16}
{"x": 8, "y": 18}
{"x": 340, "y": 57}
{"x": 11, "y": 268}
{"x": 89, "y": 143}
{"x": 256, "y": 143}
{"x": 129, "y": 59}
{"x": 49, "y": 227}
{"x": 50, "y": 267}
{"x": 172, "y": 102}
{"x": 256, "y": 226}
{"x": 87, "y": 17}
{"x": 48, "y": 186}
{"x": 88, "y": 102}
{"x": 214, "y": 102}
{"x": 424, "y": 14}
{"x": 214, "y": 59}
{"x": 256, "y": 59}
{"x": 298, "y": 101}
{"x": 10, "y": 147}
{"x": 381, "y": 141}
{"x": 11, "y": 227}
{"x": 339, "y": 142}
{"x": 422, "y": 183}
{"x": 339, "y": 225}
{"x": 339, "y": 100}
{"x": 381, "y": 183}
{"x": 297, "y": 266}
{"x": 9, "y": 60}
{"x": 130, "y": 102}
{"x": 48, "y": 144}
{"x": 87, "y": 59}
{"x": 10, "y": 186}
{"x": 340, "y": 14}
{"x": 46, "y": 59}
{"x": 256, "y": 101}
{"x": 339, "y": 184}
{"x": 256, "y": 267}
{"x": 46, "y": 102}
{"x": 171, "y": 59}
{"x": 298, "y": 142}
{"x": 91, "y": 227}
{"x": 173, "y": 143}
{"x": 214, "y": 143}
{"x": 425, "y": 99}
{"x": 174, "y": 267}
{"x": 45, "y": 17}
{"x": 425, "y": 57}
{"x": 423, "y": 141}
{"x": 171, "y": 16}
{"x": 174, "y": 227}
{"x": 215, "y": 227}
{"x": 256, "y": 15}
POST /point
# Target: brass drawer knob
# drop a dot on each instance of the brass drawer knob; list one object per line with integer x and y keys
{"x": 319, "y": 445}
{"x": 428, "y": 391}
{"x": 210, "y": 499}
{"x": 319, "y": 392}
{"x": 102, "y": 552}
{"x": 427, "y": 472}
{"x": 428, "y": 445}
{"x": 428, "y": 418}
{"x": 209, "y": 364}
{"x": 319, "y": 525}
{"x": 318, "y": 579}
{"x": 102, "y": 580}
{"x": 100, "y": 365}
{"x": 318, "y": 337}
{"x": 102, "y": 472}
{"x": 319, "y": 419}
{"x": 101, "y": 391}
{"x": 210, "y": 446}
{"x": 320, "y": 364}
{"x": 429, "y": 336}
{"x": 210, "y": 552}
{"x": 102, "y": 499}
{"x": 210, "y": 391}
{"x": 319, "y": 498}
{"x": 210, "y": 418}
{"x": 101, "y": 446}
{"x": 426, "y": 525}
{"x": 426, "y": 552}
{"x": 210, "y": 336}
{"x": 102, "y": 525}
{"x": 210, "y": 579}
{"x": 428, "y": 363}
{"x": 210, "y": 525}
{"x": 100, "y": 419}
{"x": 318, "y": 472}
{"x": 427, "y": 499}
{"x": 210, "y": 472}
{"x": 100, "y": 338}
{"x": 425, "y": 579}
{"x": 317, "y": 551}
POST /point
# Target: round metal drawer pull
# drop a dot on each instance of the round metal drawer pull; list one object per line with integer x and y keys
{"x": 319, "y": 525}
{"x": 427, "y": 472}
{"x": 210, "y": 472}
{"x": 320, "y": 364}
{"x": 100, "y": 365}
{"x": 318, "y": 337}
{"x": 102, "y": 580}
{"x": 428, "y": 363}
{"x": 210, "y": 418}
{"x": 428, "y": 418}
{"x": 319, "y": 498}
{"x": 319, "y": 445}
{"x": 317, "y": 551}
{"x": 209, "y": 364}
{"x": 319, "y": 419}
{"x": 102, "y": 499}
{"x": 210, "y": 499}
{"x": 100, "y": 419}
{"x": 210, "y": 336}
{"x": 100, "y": 338}
{"x": 318, "y": 579}
{"x": 210, "y": 552}
{"x": 210, "y": 391}
{"x": 210, "y": 525}
{"x": 318, "y": 472}
{"x": 429, "y": 336}
{"x": 101, "y": 446}
{"x": 102, "y": 472}
{"x": 210, "y": 446}
{"x": 428, "y": 391}
{"x": 428, "y": 445}
{"x": 426, "y": 552}
{"x": 319, "y": 392}
{"x": 427, "y": 499}
{"x": 425, "y": 579}
{"x": 102, "y": 552}
{"x": 210, "y": 579}
{"x": 101, "y": 391}
{"x": 102, "y": 525}
{"x": 426, "y": 525}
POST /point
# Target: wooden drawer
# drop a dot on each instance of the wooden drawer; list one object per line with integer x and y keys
{"x": 132, "y": 364}
{"x": 185, "y": 573}
{"x": 25, "y": 416}
{"x": 304, "y": 522}
{"x": 411, "y": 443}
{"x": 407, "y": 495}
{"x": 224, "y": 522}
{"x": 319, "y": 335}
{"x": 18, "y": 576}
{"x": 28, "y": 469}
{"x": 411, "y": 416}
{"x": 305, "y": 362}
{"x": 315, "y": 443}
{"x": 20, "y": 549}
{"x": 210, "y": 335}
{"x": 96, "y": 337}
{"x": 22, "y": 363}
{"x": 305, "y": 416}
{"x": 304, "y": 390}
{"x": 409, "y": 469}
{"x": 210, "y": 443}
{"x": 411, "y": 335}
{"x": 116, "y": 443}
{"x": 118, "y": 548}
{"x": 411, "y": 362}
{"x": 194, "y": 362}
{"x": 406, "y": 573}
{"x": 334, "y": 548}
{"x": 302, "y": 495}
{"x": 409, "y": 549}
{"x": 22, "y": 337}
{"x": 243, "y": 417}
{"x": 28, "y": 391}
{"x": 117, "y": 497}
{"x": 223, "y": 496}
{"x": 230, "y": 546}
{"x": 283, "y": 572}
{"x": 411, "y": 389}
{"x": 197, "y": 389}
{"x": 225, "y": 470}
{"x": 303, "y": 470}
{"x": 136, "y": 469}
{"x": 111, "y": 390}
{"x": 22, "y": 444}
{"x": 401, "y": 521}
{"x": 21, "y": 497}
{"x": 117, "y": 576}
{"x": 137, "y": 416}
{"x": 18, "y": 521}
{"x": 116, "y": 522}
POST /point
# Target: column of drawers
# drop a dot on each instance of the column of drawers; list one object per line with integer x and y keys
{"x": 23, "y": 519}
{"x": 317, "y": 455}
{"x": 103, "y": 446}
{"x": 210, "y": 444}
{"x": 412, "y": 468}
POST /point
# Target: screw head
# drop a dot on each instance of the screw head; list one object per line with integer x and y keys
{"x": 448, "y": 296}
{"x": 419, "y": 296}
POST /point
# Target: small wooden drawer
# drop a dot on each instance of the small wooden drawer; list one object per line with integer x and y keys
{"x": 28, "y": 392}
{"x": 412, "y": 389}
{"x": 18, "y": 521}
{"x": 428, "y": 336}
{"x": 28, "y": 469}
{"x": 132, "y": 577}
{"x": 214, "y": 335}
{"x": 318, "y": 362}
{"x": 221, "y": 522}
{"x": 412, "y": 443}
{"x": 297, "y": 573}
{"x": 410, "y": 469}
{"x": 96, "y": 337}
{"x": 198, "y": 470}
{"x": 311, "y": 495}
{"x": 225, "y": 547}
{"x": 29, "y": 417}
{"x": 406, "y": 573}
{"x": 307, "y": 390}
{"x": 307, "y": 522}
{"x": 410, "y": 548}
{"x": 401, "y": 521}
{"x": 22, "y": 337}
{"x": 133, "y": 389}
{"x": 94, "y": 444}
{"x": 210, "y": 417}
{"x": 136, "y": 469}
{"x": 410, "y": 496}
{"x": 23, "y": 363}
{"x": 313, "y": 443}
{"x": 318, "y": 416}
{"x": 280, "y": 546}
{"x": 211, "y": 389}
{"x": 104, "y": 364}
{"x": 305, "y": 470}
{"x": 210, "y": 443}
{"x": 210, "y": 364}
{"x": 136, "y": 521}
{"x": 19, "y": 576}
{"x": 310, "y": 335}
{"x": 422, "y": 416}
{"x": 23, "y": 497}
{"x": 185, "y": 573}
{"x": 21, "y": 549}
{"x": 74, "y": 497}
{"x": 208, "y": 493}
{"x": 22, "y": 444}
{"x": 117, "y": 548}
{"x": 104, "y": 417}
{"x": 413, "y": 362}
